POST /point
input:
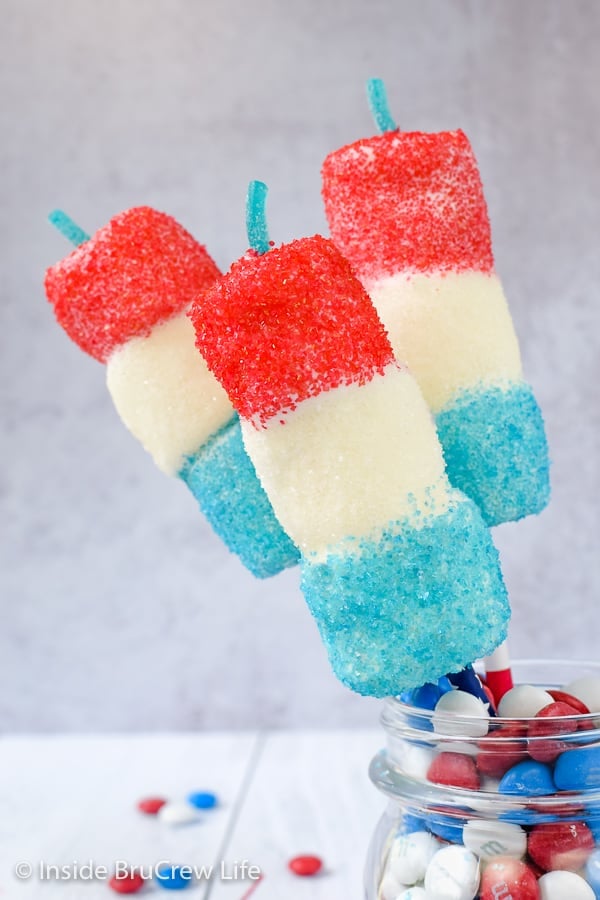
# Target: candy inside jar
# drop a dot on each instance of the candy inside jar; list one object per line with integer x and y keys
{"x": 491, "y": 803}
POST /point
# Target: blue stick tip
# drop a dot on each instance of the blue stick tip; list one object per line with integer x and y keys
{"x": 256, "y": 219}
{"x": 378, "y": 104}
{"x": 68, "y": 228}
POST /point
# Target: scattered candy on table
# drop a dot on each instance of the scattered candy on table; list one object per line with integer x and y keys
{"x": 174, "y": 878}
{"x": 305, "y": 866}
{"x": 151, "y": 805}
{"x": 178, "y": 813}
{"x": 202, "y": 799}
{"x": 126, "y": 884}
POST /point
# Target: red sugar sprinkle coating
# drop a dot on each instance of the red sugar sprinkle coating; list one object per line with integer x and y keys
{"x": 138, "y": 270}
{"x": 408, "y": 201}
{"x": 285, "y": 326}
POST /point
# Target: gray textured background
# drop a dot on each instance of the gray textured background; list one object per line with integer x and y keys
{"x": 119, "y": 608}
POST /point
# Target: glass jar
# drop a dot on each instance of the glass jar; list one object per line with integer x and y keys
{"x": 497, "y": 834}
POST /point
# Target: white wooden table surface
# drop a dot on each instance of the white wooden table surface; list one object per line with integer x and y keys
{"x": 70, "y": 801}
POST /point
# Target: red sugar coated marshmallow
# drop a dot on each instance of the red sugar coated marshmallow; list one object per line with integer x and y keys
{"x": 151, "y": 805}
{"x": 508, "y": 879}
{"x": 498, "y": 756}
{"x": 548, "y": 722}
{"x": 287, "y": 325}
{"x": 305, "y": 866}
{"x": 560, "y": 845}
{"x": 129, "y": 884}
{"x": 455, "y": 769}
{"x": 408, "y": 201}
{"x": 140, "y": 269}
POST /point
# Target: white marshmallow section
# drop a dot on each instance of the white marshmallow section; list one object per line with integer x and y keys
{"x": 452, "y": 330}
{"x": 165, "y": 393}
{"x": 350, "y": 460}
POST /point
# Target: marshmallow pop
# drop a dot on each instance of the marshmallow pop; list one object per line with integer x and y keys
{"x": 122, "y": 296}
{"x": 398, "y": 568}
{"x": 407, "y": 210}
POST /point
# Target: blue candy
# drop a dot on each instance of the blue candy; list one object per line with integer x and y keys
{"x": 174, "y": 878}
{"x": 467, "y": 680}
{"x": 578, "y": 770}
{"x": 202, "y": 800}
{"x": 410, "y": 823}
{"x": 449, "y": 828}
{"x": 528, "y": 779}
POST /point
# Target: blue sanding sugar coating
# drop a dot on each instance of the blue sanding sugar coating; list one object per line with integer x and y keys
{"x": 496, "y": 451}
{"x": 224, "y": 482}
{"x": 425, "y": 598}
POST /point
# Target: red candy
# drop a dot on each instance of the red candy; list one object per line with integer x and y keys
{"x": 508, "y": 879}
{"x": 129, "y": 884}
{"x": 285, "y": 326}
{"x": 498, "y": 756}
{"x": 488, "y": 693}
{"x": 305, "y": 866}
{"x": 151, "y": 805}
{"x": 408, "y": 201}
{"x": 140, "y": 269}
{"x": 575, "y": 702}
{"x": 548, "y": 721}
{"x": 560, "y": 845}
{"x": 455, "y": 769}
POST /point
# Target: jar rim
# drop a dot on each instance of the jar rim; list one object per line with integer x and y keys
{"x": 425, "y": 796}
{"x": 396, "y": 712}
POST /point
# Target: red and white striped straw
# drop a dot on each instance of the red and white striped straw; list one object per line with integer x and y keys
{"x": 498, "y": 674}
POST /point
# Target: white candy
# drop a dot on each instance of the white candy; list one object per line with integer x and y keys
{"x": 560, "y": 885}
{"x": 463, "y": 747}
{"x": 460, "y": 703}
{"x": 409, "y": 856}
{"x": 411, "y": 758}
{"x": 523, "y": 702}
{"x": 390, "y": 888}
{"x": 452, "y": 874}
{"x": 490, "y": 839}
{"x": 413, "y": 893}
{"x": 586, "y": 689}
{"x": 178, "y": 814}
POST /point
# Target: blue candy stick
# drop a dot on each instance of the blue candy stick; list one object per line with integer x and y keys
{"x": 378, "y": 104}
{"x": 68, "y": 228}
{"x": 256, "y": 219}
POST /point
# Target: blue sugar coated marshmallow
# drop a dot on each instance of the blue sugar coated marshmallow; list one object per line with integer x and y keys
{"x": 528, "y": 779}
{"x": 202, "y": 800}
{"x": 578, "y": 769}
{"x": 224, "y": 482}
{"x": 426, "y": 596}
{"x": 174, "y": 878}
{"x": 496, "y": 451}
